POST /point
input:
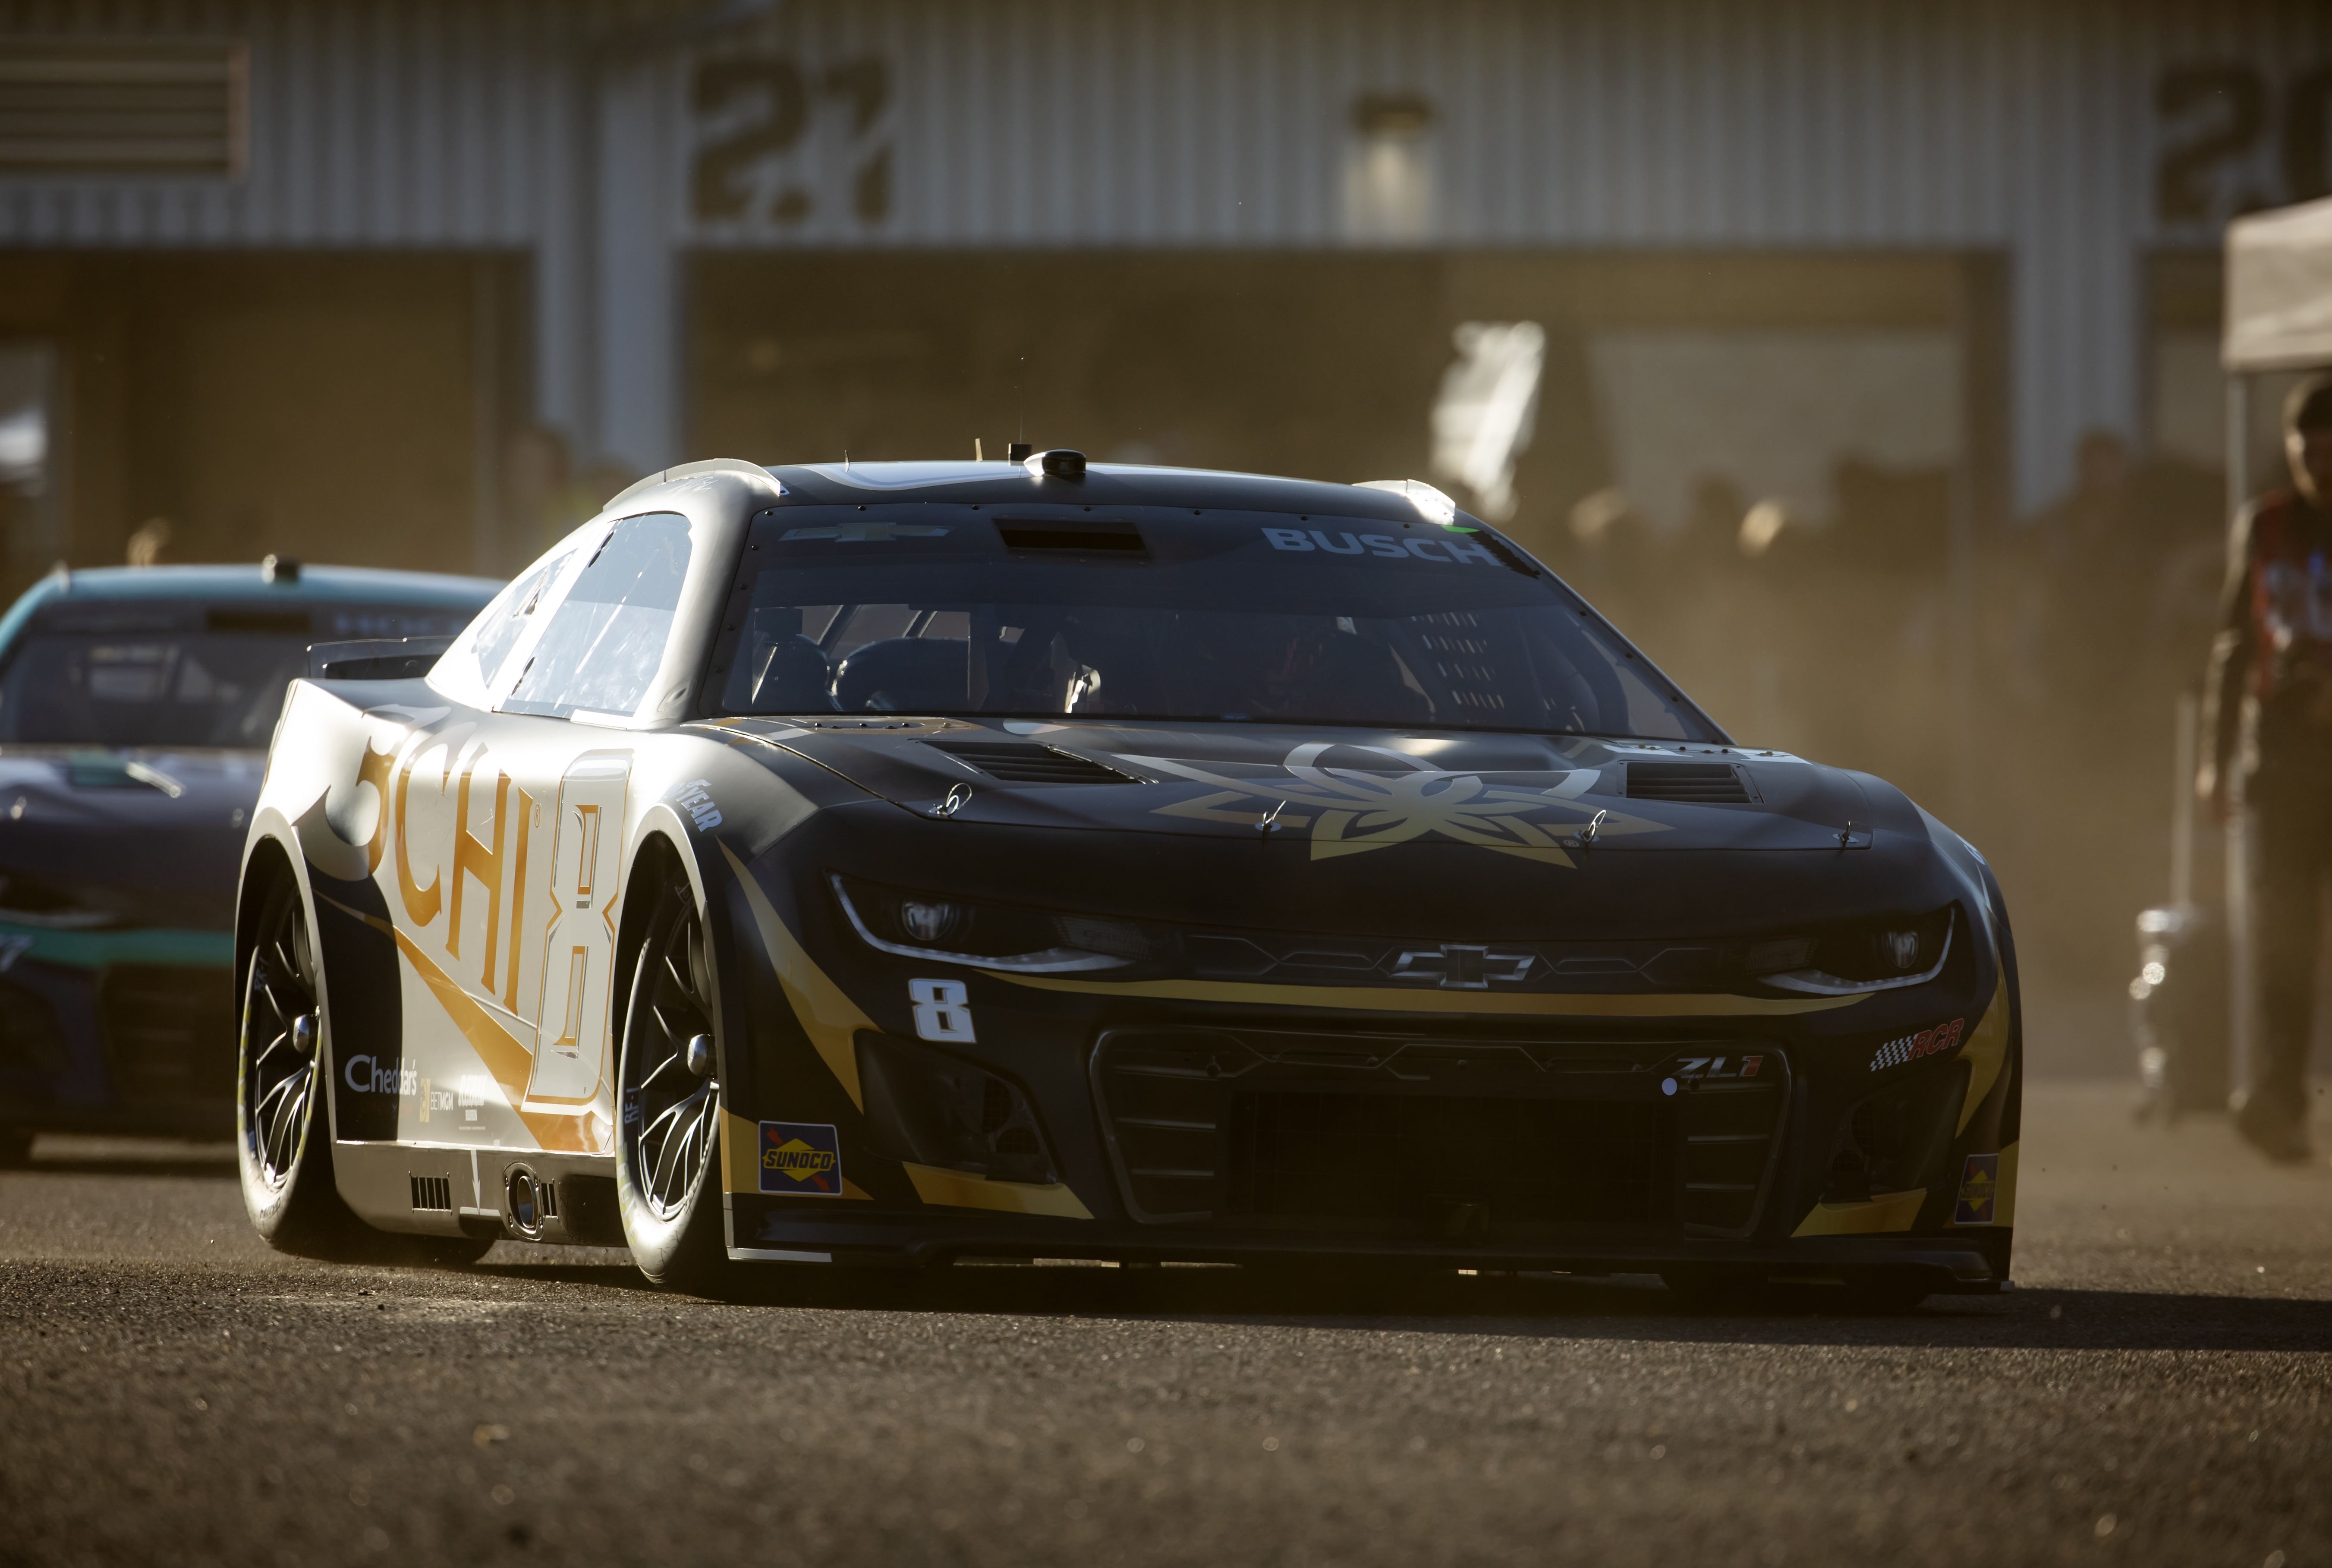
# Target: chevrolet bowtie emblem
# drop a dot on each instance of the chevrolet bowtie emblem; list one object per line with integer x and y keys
{"x": 1457, "y": 968}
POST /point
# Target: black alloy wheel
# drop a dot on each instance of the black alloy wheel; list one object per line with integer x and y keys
{"x": 668, "y": 1099}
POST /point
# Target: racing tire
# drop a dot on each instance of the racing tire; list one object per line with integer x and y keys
{"x": 668, "y": 1101}
{"x": 283, "y": 1140}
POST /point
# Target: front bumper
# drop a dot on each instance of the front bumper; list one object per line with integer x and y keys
{"x": 1190, "y": 1124}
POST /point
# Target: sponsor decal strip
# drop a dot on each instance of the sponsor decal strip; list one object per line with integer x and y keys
{"x": 1250, "y": 993}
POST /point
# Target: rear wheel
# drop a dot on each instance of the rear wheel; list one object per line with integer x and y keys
{"x": 284, "y": 1136}
{"x": 668, "y": 1090}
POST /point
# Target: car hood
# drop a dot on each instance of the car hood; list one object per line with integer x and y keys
{"x": 1347, "y": 790}
{"x": 1451, "y": 836}
{"x": 92, "y": 837}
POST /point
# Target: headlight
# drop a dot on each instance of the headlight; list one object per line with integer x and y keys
{"x": 986, "y": 935}
{"x": 1869, "y": 955}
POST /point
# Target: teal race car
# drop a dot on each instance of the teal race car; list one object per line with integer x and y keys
{"x": 136, "y": 709}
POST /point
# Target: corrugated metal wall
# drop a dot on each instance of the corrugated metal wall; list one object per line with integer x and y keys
{"x": 439, "y": 123}
{"x": 2028, "y": 128}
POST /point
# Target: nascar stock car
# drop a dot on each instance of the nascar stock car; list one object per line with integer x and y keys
{"x": 897, "y": 863}
{"x": 134, "y": 708}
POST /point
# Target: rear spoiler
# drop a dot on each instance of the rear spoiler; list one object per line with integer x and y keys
{"x": 376, "y": 659}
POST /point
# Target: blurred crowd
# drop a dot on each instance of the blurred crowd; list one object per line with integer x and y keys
{"x": 2025, "y": 691}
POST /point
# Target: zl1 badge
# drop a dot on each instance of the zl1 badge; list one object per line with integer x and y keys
{"x": 1979, "y": 1191}
{"x": 801, "y": 1157}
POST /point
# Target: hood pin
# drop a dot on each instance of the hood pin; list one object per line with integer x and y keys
{"x": 958, "y": 796}
{"x": 1269, "y": 822}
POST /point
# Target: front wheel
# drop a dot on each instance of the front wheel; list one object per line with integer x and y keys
{"x": 668, "y": 1100}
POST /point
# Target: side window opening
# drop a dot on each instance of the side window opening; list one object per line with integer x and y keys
{"x": 605, "y": 638}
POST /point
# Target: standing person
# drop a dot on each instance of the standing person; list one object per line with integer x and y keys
{"x": 2266, "y": 720}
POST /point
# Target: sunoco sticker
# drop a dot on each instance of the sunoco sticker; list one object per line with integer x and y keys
{"x": 801, "y": 1157}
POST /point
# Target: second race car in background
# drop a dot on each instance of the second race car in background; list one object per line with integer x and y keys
{"x": 135, "y": 707}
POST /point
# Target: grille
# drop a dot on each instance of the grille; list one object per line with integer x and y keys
{"x": 1331, "y": 1156}
{"x": 1265, "y": 1127}
{"x": 1031, "y": 764}
{"x": 1726, "y": 1149}
{"x": 432, "y": 1192}
{"x": 1701, "y": 783}
{"x": 170, "y": 1032}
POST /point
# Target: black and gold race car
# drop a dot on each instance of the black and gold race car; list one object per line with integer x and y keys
{"x": 897, "y": 863}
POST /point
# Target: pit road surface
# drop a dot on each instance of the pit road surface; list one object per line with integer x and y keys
{"x": 2158, "y": 1390}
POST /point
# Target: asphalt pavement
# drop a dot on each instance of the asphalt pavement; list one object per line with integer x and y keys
{"x": 2158, "y": 1388}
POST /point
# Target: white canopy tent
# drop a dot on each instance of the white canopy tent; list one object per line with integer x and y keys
{"x": 2279, "y": 313}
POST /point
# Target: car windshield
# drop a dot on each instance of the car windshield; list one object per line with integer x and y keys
{"x": 1150, "y": 614}
{"x": 173, "y": 675}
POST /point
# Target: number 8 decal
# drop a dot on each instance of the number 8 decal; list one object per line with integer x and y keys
{"x": 942, "y": 1011}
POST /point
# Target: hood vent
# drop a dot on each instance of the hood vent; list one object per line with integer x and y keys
{"x": 1030, "y": 764}
{"x": 1700, "y": 783}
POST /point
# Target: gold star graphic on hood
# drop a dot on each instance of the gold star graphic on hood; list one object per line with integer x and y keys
{"x": 1352, "y": 811}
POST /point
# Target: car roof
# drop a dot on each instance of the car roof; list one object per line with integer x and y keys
{"x": 1104, "y": 484}
{"x": 249, "y": 585}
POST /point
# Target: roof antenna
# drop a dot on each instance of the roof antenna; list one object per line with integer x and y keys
{"x": 845, "y": 460}
{"x": 976, "y": 456}
{"x": 1021, "y": 395}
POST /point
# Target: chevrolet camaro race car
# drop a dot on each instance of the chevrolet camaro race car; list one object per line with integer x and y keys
{"x": 134, "y": 708}
{"x": 895, "y": 863}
